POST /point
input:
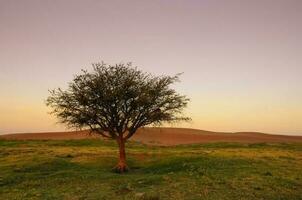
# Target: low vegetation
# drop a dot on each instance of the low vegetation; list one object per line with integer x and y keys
{"x": 82, "y": 169}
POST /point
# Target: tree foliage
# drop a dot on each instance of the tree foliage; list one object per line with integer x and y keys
{"x": 117, "y": 99}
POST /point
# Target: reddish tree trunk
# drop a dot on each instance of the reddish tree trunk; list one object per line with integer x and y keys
{"x": 121, "y": 166}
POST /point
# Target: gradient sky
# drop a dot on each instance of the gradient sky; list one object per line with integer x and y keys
{"x": 242, "y": 60}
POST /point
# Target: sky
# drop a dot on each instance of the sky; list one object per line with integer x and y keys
{"x": 241, "y": 59}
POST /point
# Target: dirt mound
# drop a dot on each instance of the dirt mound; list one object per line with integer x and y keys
{"x": 164, "y": 136}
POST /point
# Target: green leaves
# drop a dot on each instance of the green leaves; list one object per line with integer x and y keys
{"x": 117, "y": 99}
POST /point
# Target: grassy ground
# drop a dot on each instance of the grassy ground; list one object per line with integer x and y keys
{"x": 82, "y": 170}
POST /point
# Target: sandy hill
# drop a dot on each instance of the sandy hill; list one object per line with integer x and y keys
{"x": 165, "y": 136}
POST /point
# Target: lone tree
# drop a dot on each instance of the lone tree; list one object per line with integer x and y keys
{"x": 115, "y": 100}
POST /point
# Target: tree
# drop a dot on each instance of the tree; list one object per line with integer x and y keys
{"x": 115, "y": 100}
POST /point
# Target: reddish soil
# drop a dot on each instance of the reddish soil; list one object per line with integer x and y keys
{"x": 165, "y": 136}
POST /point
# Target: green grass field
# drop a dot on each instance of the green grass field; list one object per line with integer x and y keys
{"x": 82, "y": 170}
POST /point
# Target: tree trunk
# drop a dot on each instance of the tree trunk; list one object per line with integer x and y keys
{"x": 121, "y": 166}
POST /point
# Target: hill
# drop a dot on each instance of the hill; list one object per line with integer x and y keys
{"x": 165, "y": 136}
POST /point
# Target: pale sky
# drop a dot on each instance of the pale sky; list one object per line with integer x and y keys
{"x": 242, "y": 60}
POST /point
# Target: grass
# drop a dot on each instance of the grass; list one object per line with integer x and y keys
{"x": 81, "y": 169}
